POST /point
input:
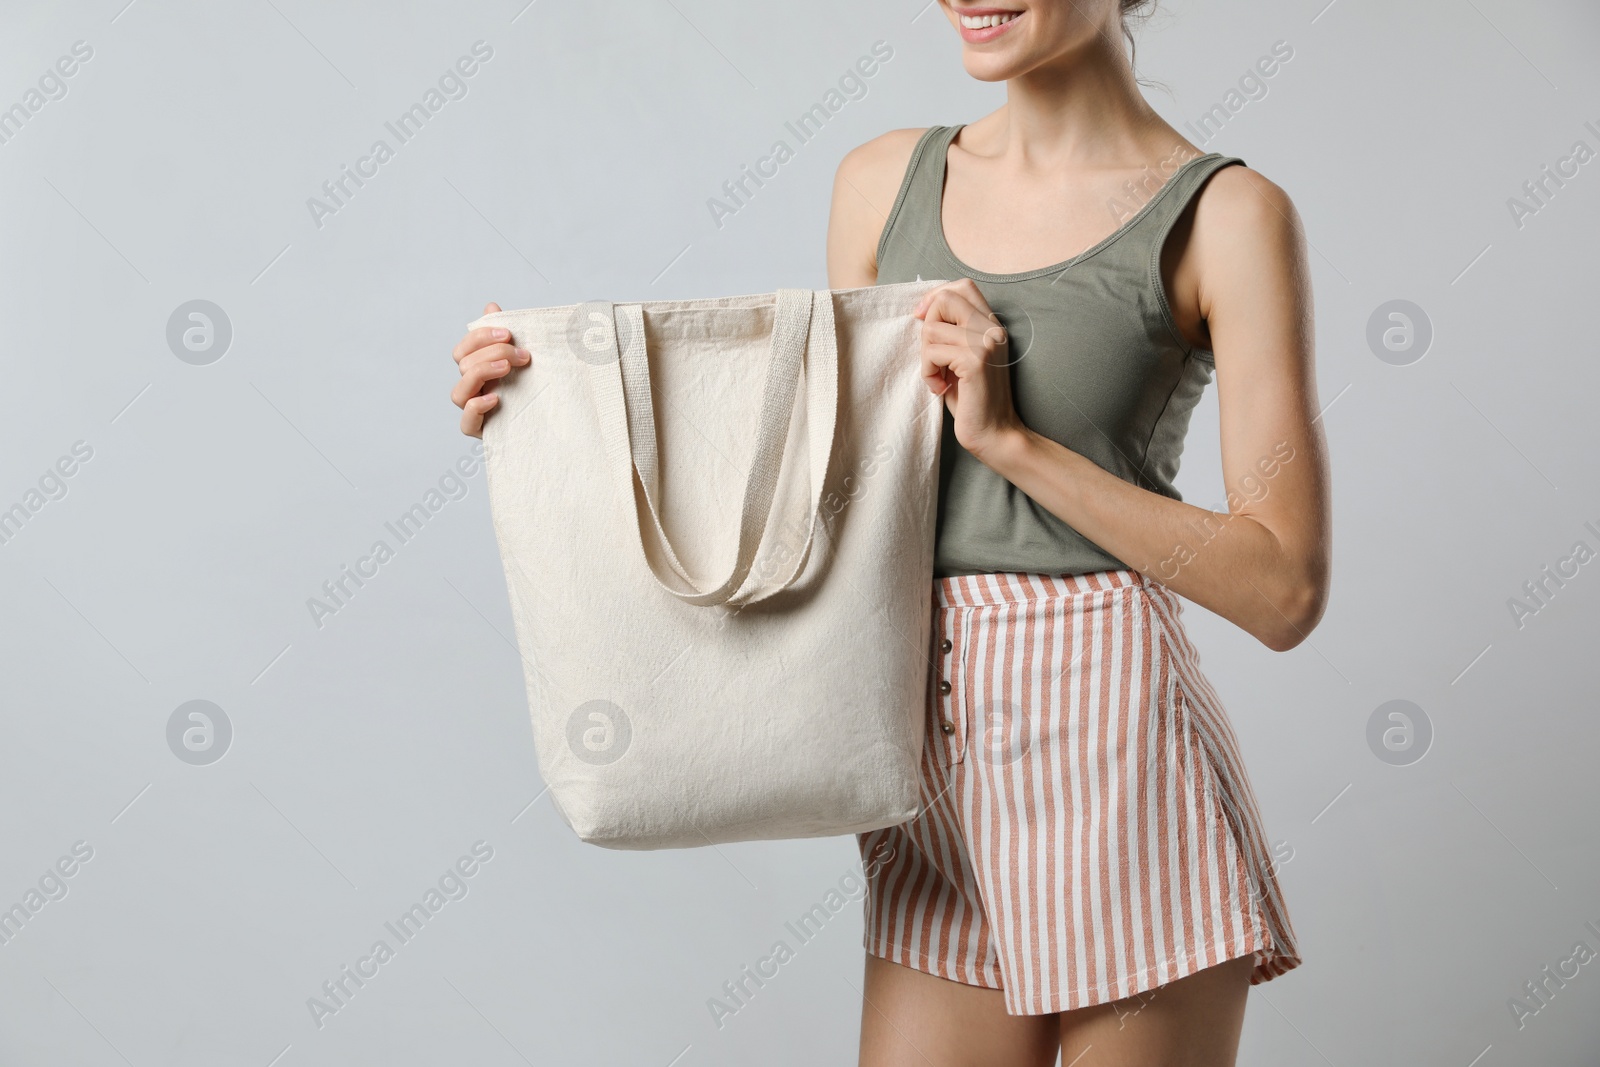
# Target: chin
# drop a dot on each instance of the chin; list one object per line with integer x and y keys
{"x": 1003, "y": 39}
{"x": 994, "y": 37}
{"x": 989, "y": 67}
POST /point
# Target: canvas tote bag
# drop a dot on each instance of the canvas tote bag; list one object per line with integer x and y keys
{"x": 716, "y": 519}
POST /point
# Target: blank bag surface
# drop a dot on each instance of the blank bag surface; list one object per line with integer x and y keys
{"x": 716, "y": 519}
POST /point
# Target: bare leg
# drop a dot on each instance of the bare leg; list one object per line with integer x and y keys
{"x": 1191, "y": 1022}
{"x": 913, "y": 1019}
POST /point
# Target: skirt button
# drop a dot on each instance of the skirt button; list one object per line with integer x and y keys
{"x": 944, "y": 685}
{"x": 947, "y": 726}
{"x": 945, "y": 646}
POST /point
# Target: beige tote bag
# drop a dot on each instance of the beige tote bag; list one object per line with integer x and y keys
{"x": 716, "y": 519}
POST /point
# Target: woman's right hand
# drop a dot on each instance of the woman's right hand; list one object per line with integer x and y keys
{"x": 485, "y": 355}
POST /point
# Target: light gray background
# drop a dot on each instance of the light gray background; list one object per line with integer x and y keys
{"x": 372, "y": 752}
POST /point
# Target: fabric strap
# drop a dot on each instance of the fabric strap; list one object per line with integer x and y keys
{"x": 803, "y": 339}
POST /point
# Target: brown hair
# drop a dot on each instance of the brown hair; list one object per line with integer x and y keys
{"x": 1131, "y": 10}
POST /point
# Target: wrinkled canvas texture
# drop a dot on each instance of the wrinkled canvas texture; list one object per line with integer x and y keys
{"x": 663, "y": 724}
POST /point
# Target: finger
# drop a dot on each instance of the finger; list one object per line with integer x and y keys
{"x": 984, "y": 335}
{"x": 475, "y": 376}
{"x": 942, "y": 333}
{"x": 966, "y": 293}
{"x": 927, "y": 298}
{"x": 502, "y": 350}
{"x": 969, "y": 289}
{"x": 930, "y": 297}
{"x": 964, "y": 349}
{"x": 487, "y": 364}
{"x": 934, "y": 294}
{"x": 476, "y": 339}
{"x": 939, "y": 364}
{"x": 473, "y": 412}
{"x": 490, "y": 308}
{"x": 952, "y": 305}
{"x": 952, "y": 361}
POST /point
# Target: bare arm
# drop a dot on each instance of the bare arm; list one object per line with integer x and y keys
{"x": 1263, "y": 564}
{"x": 864, "y": 190}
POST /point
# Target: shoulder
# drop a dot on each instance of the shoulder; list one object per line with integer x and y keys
{"x": 1240, "y": 207}
{"x": 865, "y": 189}
{"x": 878, "y": 166}
{"x": 892, "y": 150}
{"x": 1250, "y": 249}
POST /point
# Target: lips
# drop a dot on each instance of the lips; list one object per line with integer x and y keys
{"x": 982, "y": 24}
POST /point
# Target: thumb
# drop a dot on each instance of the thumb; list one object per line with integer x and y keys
{"x": 491, "y": 306}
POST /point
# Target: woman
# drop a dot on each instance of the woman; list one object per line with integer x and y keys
{"x": 1088, "y": 876}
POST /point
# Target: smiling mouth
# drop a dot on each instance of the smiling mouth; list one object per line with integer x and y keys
{"x": 985, "y": 22}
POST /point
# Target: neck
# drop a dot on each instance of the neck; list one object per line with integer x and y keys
{"x": 1082, "y": 110}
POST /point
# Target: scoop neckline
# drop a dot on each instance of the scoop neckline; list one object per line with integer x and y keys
{"x": 1054, "y": 268}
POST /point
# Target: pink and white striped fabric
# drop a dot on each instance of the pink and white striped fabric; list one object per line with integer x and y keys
{"x": 1088, "y": 831}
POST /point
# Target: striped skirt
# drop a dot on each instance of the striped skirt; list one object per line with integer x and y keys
{"x": 1088, "y": 830}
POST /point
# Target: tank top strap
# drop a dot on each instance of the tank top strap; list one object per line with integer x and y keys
{"x": 913, "y": 221}
{"x": 912, "y": 240}
{"x": 1175, "y": 194}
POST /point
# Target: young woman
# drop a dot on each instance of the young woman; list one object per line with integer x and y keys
{"x": 1088, "y": 877}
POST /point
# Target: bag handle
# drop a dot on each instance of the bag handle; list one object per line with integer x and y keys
{"x": 803, "y": 337}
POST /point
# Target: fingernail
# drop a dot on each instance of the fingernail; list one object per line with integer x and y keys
{"x": 501, "y": 334}
{"x": 523, "y": 353}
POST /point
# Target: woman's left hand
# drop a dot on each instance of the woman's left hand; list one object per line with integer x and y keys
{"x": 966, "y": 359}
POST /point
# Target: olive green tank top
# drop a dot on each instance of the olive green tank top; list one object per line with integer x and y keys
{"x": 1097, "y": 363}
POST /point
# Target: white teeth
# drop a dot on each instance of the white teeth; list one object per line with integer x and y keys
{"x": 983, "y": 22}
